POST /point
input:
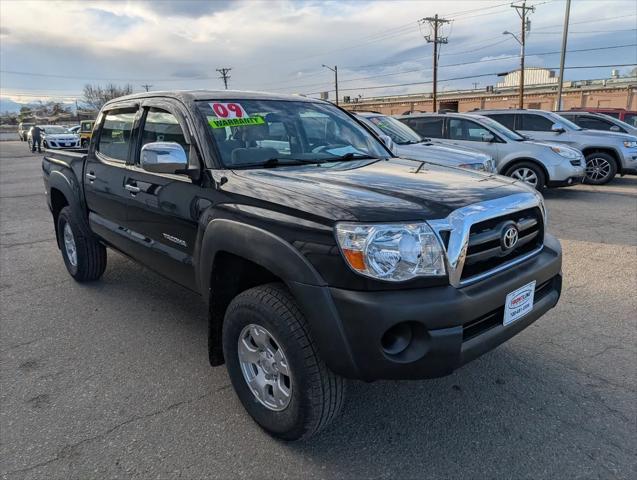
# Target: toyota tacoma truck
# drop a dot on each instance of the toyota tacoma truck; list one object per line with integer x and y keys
{"x": 321, "y": 256}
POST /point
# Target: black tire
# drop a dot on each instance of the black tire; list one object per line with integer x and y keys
{"x": 90, "y": 260}
{"x": 317, "y": 394}
{"x": 84, "y": 143}
{"x": 601, "y": 168}
{"x": 515, "y": 171}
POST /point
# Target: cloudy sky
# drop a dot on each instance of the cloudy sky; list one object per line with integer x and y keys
{"x": 50, "y": 49}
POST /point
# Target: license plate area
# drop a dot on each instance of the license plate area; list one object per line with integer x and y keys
{"x": 519, "y": 303}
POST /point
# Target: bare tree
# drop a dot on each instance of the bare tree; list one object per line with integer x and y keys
{"x": 95, "y": 96}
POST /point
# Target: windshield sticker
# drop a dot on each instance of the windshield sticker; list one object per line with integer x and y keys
{"x": 228, "y": 110}
{"x": 215, "y": 122}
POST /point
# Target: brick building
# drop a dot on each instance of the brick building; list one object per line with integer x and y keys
{"x": 540, "y": 91}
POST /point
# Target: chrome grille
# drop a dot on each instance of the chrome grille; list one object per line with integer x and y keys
{"x": 485, "y": 250}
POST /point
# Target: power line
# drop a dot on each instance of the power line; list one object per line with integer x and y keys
{"x": 508, "y": 57}
{"x": 469, "y": 77}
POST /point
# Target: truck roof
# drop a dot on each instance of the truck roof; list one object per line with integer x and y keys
{"x": 193, "y": 95}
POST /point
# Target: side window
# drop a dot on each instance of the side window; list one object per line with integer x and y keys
{"x": 593, "y": 123}
{"x": 425, "y": 127}
{"x": 460, "y": 129}
{"x": 115, "y": 136}
{"x": 535, "y": 123}
{"x": 163, "y": 126}
{"x": 506, "y": 119}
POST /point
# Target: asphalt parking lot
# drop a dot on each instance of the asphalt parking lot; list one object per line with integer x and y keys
{"x": 111, "y": 380}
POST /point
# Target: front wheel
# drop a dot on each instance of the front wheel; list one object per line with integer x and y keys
{"x": 529, "y": 173}
{"x": 600, "y": 168}
{"x": 84, "y": 256}
{"x": 274, "y": 365}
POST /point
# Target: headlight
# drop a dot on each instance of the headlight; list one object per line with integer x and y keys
{"x": 630, "y": 143}
{"x": 474, "y": 166}
{"x": 392, "y": 252}
{"x": 566, "y": 152}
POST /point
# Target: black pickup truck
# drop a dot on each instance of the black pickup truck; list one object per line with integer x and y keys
{"x": 321, "y": 255}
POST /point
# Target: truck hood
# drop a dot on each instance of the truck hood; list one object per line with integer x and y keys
{"x": 396, "y": 189}
{"x": 448, "y": 155}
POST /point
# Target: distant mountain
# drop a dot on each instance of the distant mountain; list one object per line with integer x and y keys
{"x": 8, "y": 105}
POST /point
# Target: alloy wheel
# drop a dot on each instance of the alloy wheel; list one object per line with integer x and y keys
{"x": 526, "y": 175}
{"x": 69, "y": 245}
{"x": 265, "y": 367}
{"x": 597, "y": 168}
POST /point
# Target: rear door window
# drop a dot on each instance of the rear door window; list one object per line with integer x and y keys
{"x": 428, "y": 127}
{"x": 593, "y": 123}
{"x": 115, "y": 135}
{"x": 535, "y": 123}
{"x": 506, "y": 119}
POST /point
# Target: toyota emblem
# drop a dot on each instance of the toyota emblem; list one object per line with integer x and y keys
{"x": 509, "y": 237}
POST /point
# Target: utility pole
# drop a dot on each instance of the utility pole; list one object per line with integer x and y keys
{"x": 435, "y": 22}
{"x": 146, "y": 86}
{"x": 224, "y": 75}
{"x": 560, "y": 81}
{"x": 522, "y": 9}
{"x": 335, "y": 70}
{"x": 475, "y": 85}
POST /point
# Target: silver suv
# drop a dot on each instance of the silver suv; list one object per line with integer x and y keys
{"x": 606, "y": 153}
{"x": 538, "y": 164}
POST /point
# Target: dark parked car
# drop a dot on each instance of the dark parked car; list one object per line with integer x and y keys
{"x": 321, "y": 256}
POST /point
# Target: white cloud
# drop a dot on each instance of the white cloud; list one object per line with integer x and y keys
{"x": 268, "y": 44}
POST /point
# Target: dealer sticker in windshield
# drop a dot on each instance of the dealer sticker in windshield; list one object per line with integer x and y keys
{"x": 519, "y": 303}
{"x": 231, "y": 114}
{"x": 215, "y": 122}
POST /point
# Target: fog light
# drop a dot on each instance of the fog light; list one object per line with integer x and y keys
{"x": 397, "y": 338}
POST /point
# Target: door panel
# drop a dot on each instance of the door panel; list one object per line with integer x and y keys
{"x": 163, "y": 209}
{"x": 104, "y": 176}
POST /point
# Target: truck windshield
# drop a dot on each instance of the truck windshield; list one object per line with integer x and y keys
{"x": 400, "y": 133}
{"x": 257, "y": 133}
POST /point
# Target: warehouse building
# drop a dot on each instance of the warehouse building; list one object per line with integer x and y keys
{"x": 540, "y": 91}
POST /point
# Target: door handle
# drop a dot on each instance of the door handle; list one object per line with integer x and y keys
{"x": 132, "y": 188}
{"x": 91, "y": 176}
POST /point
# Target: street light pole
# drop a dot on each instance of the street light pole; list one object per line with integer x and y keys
{"x": 335, "y": 70}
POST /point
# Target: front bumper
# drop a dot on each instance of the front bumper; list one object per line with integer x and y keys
{"x": 629, "y": 160}
{"x": 450, "y": 326}
{"x": 569, "y": 182}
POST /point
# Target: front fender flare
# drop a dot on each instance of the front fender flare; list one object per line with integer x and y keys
{"x": 256, "y": 245}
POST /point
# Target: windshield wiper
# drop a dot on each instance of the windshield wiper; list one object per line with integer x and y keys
{"x": 275, "y": 162}
{"x": 351, "y": 156}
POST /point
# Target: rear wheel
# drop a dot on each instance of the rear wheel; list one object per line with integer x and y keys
{"x": 600, "y": 168}
{"x": 84, "y": 257}
{"x": 529, "y": 173}
{"x": 274, "y": 366}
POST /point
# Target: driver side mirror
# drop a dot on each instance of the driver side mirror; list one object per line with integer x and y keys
{"x": 488, "y": 137}
{"x": 615, "y": 128}
{"x": 164, "y": 157}
{"x": 389, "y": 143}
{"x": 558, "y": 128}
